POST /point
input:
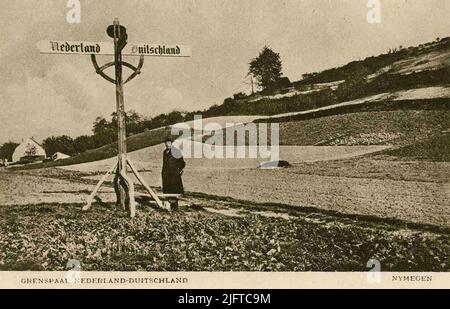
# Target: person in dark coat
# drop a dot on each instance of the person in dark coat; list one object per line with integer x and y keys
{"x": 173, "y": 165}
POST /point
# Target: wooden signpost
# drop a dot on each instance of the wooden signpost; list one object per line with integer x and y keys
{"x": 123, "y": 185}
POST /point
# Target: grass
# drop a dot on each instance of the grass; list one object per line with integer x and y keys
{"x": 435, "y": 148}
{"x": 365, "y": 128}
{"x": 45, "y": 237}
{"x": 378, "y": 106}
{"x": 399, "y": 127}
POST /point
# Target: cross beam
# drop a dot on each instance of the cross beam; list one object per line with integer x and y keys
{"x": 99, "y": 70}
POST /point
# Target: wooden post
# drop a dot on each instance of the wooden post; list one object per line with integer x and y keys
{"x": 123, "y": 186}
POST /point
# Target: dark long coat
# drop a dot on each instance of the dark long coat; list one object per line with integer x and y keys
{"x": 173, "y": 165}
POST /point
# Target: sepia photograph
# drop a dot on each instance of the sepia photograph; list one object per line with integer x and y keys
{"x": 255, "y": 137}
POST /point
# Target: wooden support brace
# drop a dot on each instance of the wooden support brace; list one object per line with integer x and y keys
{"x": 147, "y": 187}
{"x": 169, "y": 196}
{"x": 97, "y": 187}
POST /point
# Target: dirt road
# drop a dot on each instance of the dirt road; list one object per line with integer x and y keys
{"x": 415, "y": 201}
{"x": 20, "y": 189}
{"x": 409, "y": 192}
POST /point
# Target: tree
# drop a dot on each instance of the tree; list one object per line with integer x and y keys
{"x": 355, "y": 84}
{"x": 266, "y": 68}
{"x": 105, "y": 132}
{"x": 103, "y": 126}
{"x": 239, "y": 96}
{"x": 63, "y": 143}
{"x": 133, "y": 122}
{"x": 174, "y": 117}
{"x": 83, "y": 143}
{"x": 30, "y": 151}
{"x": 7, "y": 150}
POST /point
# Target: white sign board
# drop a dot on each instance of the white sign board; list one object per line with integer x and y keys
{"x": 75, "y": 48}
{"x": 107, "y": 48}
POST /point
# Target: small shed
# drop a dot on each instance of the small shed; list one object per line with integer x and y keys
{"x": 59, "y": 156}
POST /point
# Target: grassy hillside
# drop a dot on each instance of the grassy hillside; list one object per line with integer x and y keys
{"x": 365, "y": 128}
{"x": 434, "y": 148}
{"x": 403, "y": 69}
{"x": 369, "y": 106}
{"x": 394, "y": 123}
{"x": 374, "y": 124}
{"x": 401, "y": 60}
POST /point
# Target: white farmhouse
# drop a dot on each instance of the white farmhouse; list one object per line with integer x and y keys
{"x": 29, "y": 150}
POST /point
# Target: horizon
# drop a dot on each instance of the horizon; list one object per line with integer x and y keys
{"x": 223, "y": 41}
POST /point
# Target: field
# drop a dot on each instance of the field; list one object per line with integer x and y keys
{"x": 211, "y": 234}
{"x": 364, "y": 184}
{"x": 333, "y": 210}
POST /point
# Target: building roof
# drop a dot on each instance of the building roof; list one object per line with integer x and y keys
{"x": 21, "y": 150}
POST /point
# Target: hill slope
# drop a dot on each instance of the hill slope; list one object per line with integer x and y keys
{"x": 414, "y": 78}
{"x": 365, "y": 128}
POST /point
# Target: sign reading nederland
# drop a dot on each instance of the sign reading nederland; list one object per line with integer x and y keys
{"x": 76, "y": 48}
{"x": 107, "y": 48}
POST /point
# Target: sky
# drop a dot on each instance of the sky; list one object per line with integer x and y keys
{"x": 44, "y": 95}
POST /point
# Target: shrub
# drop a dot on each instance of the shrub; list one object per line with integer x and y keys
{"x": 239, "y": 96}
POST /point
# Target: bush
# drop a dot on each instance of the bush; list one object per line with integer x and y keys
{"x": 284, "y": 83}
{"x": 239, "y": 96}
